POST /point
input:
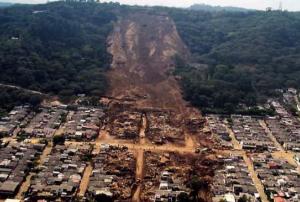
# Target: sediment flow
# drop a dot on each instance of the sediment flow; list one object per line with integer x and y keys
{"x": 143, "y": 47}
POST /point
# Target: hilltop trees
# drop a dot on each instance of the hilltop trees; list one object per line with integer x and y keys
{"x": 58, "y": 47}
{"x": 247, "y": 55}
{"x": 12, "y": 97}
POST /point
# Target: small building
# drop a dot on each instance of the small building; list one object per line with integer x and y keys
{"x": 229, "y": 197}
{"x": 9, "y": 188}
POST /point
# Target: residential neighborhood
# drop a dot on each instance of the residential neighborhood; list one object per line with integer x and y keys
{"x": 60, "y": 174}
{"x": 16, "y": 161}
{"x": 124, "y": 154}
{"x": 233, "y": 181}
{"x": 83, "y": 124}
{"x": 279, "y": 178}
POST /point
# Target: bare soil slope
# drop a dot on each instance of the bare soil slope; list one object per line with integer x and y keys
{"x": 143, "y": 46}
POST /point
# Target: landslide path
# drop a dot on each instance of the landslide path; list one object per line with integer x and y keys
{"x": 142, "y": 46}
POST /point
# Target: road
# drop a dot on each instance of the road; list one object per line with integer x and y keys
{"x": 22, "y": 89}
{"x": 85, "y": 180}
{"x": 146, "y": 147}
{"x": 140, "y": 147}
{"x": 235, "y": 142}
{"x": 297, "y": 102}
{"x": 270, "y": 135}
{"x": 140, "y": 161}
{"x": 257, "y": 182}
{"x": 281, "y": 153}
{"x": 139, "y": 174}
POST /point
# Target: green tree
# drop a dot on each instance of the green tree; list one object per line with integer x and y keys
{"x": 183, "y": 197}
{"x": 244, "y": 198}
{"x": 196, "y": 185}
{"x": 59, "y": 140}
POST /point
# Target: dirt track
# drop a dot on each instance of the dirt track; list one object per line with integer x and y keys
{"x": 143, "y": 46}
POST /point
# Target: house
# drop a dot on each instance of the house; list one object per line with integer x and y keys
{"x": 297, "y": 158}
{"x": 229, "y": 197}
{"x": 9, "y": 188}
{"x": 12, "y": 200}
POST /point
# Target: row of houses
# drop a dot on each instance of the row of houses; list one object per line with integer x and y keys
{"x": 288, "y": 135}
{"x": 60, "y": 174}
{"x": 285, "y": 127}
{"x": 45, "y": 123}
{"x": 14, "y": 119}
{"x": 233, "y": 181}
{"x": 83, "y": 123}
{"x": 219, "y": 131}
{"x": 279, "y": 178}
{"x": 279, "y": 109}
{"x": 250, "y": 134}
{"x": 16, "y": 161}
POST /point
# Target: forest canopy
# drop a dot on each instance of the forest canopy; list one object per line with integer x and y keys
{"x": 237, "y": 58}
{"x": 247, "y": 55}
{"x": 58, "y": 48}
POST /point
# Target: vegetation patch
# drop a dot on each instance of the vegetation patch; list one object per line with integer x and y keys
{"x": 247, "y": 55}
{"x": 58, "y": 48}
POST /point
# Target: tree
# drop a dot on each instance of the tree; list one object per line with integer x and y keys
{"x": 183, "y": 197}
{"x": 61, "y": 53}
{"x": 59, "y": 140}
{"x": 238, "y": 72}
{"x": 196, "y": 185}
{"x": 244, "y": 198}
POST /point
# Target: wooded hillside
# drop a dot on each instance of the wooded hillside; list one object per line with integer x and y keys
{"x": 237, "y": 57}
{"x": 248, "y": 55}
{"x": 58, "y": 48}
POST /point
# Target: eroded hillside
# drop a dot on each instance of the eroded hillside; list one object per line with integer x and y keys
{"x": 143, "y": 46}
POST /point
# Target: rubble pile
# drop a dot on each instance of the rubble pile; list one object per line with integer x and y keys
{"x": 167, "y": 175}
{"x": 125, "y": 124}
{"x": 163, "y": 127}
{"x": 113, "y": 174}
{"x": 195, "y": 125}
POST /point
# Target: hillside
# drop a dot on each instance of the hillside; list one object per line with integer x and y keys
{"x": 236, "y": 57}
{"x": 5, "y": 4}
{"x": 142, "y": 47}
{"x": 246, "y": 56}
{"x": 204, "y": 7}
{"x": 57, "y": 48}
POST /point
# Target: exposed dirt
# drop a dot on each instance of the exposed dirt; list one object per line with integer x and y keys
{"x": 139, "y": 174}
{"x": 85, "y": 180}
{"x": 143, "y": 47}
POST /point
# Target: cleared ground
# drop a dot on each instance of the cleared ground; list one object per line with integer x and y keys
{"x": 143, "y": 47}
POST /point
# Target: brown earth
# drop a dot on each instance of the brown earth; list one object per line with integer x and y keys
{"x": 143, "y": 47}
